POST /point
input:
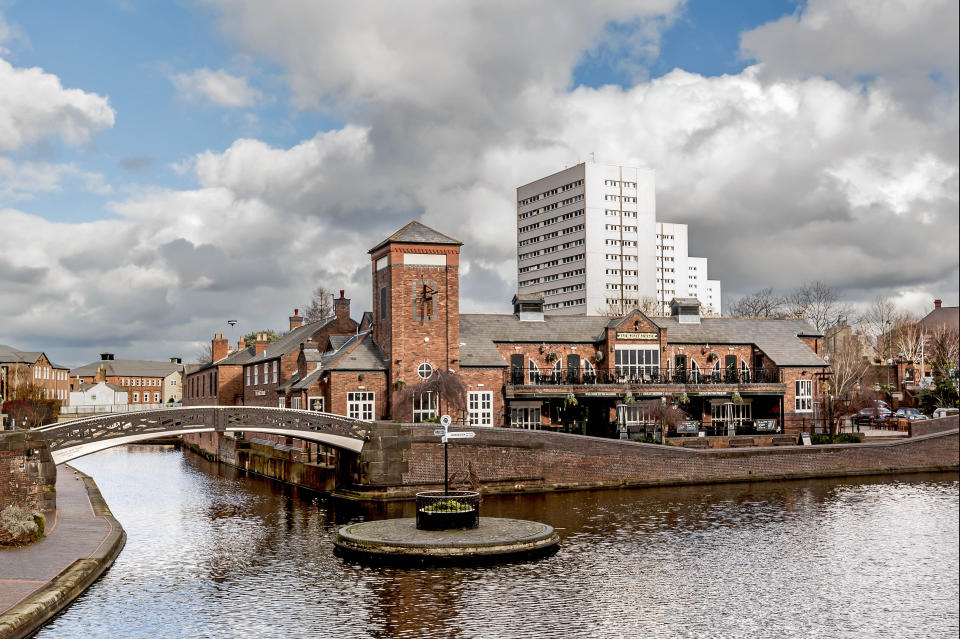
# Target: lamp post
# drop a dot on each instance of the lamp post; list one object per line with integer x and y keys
{"x": 890, "y": 353}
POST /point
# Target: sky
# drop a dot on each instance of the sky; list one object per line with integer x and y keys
{"x": 167, "y": 166}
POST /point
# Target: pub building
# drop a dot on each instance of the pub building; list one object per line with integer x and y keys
{"x": 593, "y": 375}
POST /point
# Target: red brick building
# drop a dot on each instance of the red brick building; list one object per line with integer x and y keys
{"x": 589, "y": 374}
{"x": 147, "y": 384}
{"x": 32, "y": 367}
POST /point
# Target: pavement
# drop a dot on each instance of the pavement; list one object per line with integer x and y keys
{"x": 81, "y": 538}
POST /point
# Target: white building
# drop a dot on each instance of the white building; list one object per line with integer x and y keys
{"x": 97, "y": 397}
{"x": 587, "y": 238}
{"x": 679, "y": 275}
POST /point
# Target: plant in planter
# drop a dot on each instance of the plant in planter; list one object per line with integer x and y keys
{"x": 629, "y": 398}
{"x": 570, "y": 400}
{"x": 683, "y": 399}
{"x": 598, "y": 357}
{"x": 552, "y": 357}
{"x": 737, "y": 399}
{"x": 399, "y": 384}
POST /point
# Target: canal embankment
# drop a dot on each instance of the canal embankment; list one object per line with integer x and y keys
{"x": 82, "y": 541}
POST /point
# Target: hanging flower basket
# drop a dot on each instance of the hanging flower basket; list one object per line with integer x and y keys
{"x": 629, "y": 398}
{"x": 683, "y": 399}
{"x": 736, "y": 398}
{"x": 712, "y": 357}
{"x": 598, "y": 356}
{"x": 399, "y": 384}
{"x": 552, "y": 356}
{"x": 570, "y": 400}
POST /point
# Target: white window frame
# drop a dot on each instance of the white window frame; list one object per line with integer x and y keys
{"x": 533, "y": 373}
{"x": 136, "y": 396}
{"x": 316, "y": 398}
{"x": 480, "y": 408}
{"x": 256, "y": 375}
{"x": 525, "y": 415}
{"x": 629, "y": 360}
{"x": 803, "y": 396}
{"x": 248, "y": 375}
{"x": 296, "y": 402}
{"x": 156, "y": 397}
{"x": 276, "y": 367}
{"x": 425, "y": 405}
{"x": 361, "y": 405}
{"x": 281, "y": 402}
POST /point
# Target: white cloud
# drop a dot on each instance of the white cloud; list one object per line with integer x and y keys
{"x": 857, "y": 37}
{"x": 218, "y": 87}
{"x": 22, "y": 180}
{"x": 34, "y": 106}
{"x": 451, "y": 106}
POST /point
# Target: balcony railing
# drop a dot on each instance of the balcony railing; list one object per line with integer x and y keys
{"x": 635, "y": 376}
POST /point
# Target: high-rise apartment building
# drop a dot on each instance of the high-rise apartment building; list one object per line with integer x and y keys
{"x": 588, "y": 240}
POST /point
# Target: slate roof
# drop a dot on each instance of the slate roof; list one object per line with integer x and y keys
{"x": 127, "y": 367}
{"x": 945, "y": 315}
{"x": 291, "y": 339}
{"x": 777, "y": 338}
{"x": 417, "y": 233}
{"x": 308, "y": 381}
{"x": 365, "y": 356}
{"x": 85, "y": 386}
{"x": 10, "y": 355}
{"x": 478, "y": 333}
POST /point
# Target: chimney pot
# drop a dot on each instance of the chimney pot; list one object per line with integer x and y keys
{"x": 341, "y": 293}
{"x": 937, "y": 303}
{"x": 296, "y": 311}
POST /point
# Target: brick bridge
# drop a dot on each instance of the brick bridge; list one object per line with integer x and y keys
{"x": 76, "y": 438}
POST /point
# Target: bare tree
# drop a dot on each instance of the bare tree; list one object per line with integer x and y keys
{"x": 763, "y": 303}
{"x": 877, "y": 324}
{"x": 204, "y": 354}
{"x": 943, "y": 350}
{"x": 847, "y": 367}
{"x": 28, "y": 406}
{"x": 320, "y": 306}
{"x": 446, "y": 386}
{"x": 647, "y": 305}
{"x": 908, "y": 337}
{"x": 818, "y": 304}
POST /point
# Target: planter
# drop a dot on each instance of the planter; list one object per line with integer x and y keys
{"x": 455, "y": 509}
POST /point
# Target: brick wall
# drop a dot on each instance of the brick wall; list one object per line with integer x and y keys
{"x": 931, "y": 426}
{"x": 404, "y": 458}
{"x": 28, "y": 475}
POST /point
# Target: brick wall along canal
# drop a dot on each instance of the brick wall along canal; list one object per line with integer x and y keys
{"x": 211, "y": 553}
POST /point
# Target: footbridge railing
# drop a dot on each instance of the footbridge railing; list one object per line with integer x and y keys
{"x": 76, "y": 438}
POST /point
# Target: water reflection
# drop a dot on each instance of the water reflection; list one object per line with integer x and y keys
{"x": 214, "y": 553}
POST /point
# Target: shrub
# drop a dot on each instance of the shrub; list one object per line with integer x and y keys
{"x": 447, "y": 506}
{"x": 817, "y": 438}
{"x": 19, "y": 527}
{"x": 847, "y": 438}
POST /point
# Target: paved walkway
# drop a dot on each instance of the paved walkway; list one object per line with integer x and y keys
{"x": 75, "y": 532}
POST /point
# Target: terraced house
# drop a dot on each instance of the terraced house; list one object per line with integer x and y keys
{"x": 32, "y": 367}
{"x": 527, "y": 369}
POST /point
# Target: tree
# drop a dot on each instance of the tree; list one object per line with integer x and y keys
{"x": 29, "y": 407}
{"x": 818, "y": 304}
{"x": 320, "y": 306}
{"x": 876, "y": 323}
{"x": 270, "y": 334}
{"x": 204, "y": 354}
{"x": 448, "y": 387}
{"x": 647, "y": 305}
{"x": 943, "y": 350}
{"x": 763, "y": 303}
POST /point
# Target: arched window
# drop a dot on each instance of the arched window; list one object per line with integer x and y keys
{"x": 715, "y": 372}
{"x": 533, "y": 374}
{"x": 744, "y": 372}
{"x": 696, "y": 375}
{"x": 589, "y": 372}
{"x": 556, "y": 375}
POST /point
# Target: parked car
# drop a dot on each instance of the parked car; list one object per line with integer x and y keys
{"x": 946, "y": 412}
{"x": 872, "y": 416}
{"x": 910, "y": 413}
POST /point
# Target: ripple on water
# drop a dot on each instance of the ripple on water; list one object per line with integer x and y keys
{"x": 211, "y": 553}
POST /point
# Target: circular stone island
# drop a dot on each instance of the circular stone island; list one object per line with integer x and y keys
{"x": 493, "y": 540}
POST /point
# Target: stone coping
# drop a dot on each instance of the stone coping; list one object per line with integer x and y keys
{"x": 98, "y": 553}
{"x": 495, "y": 539}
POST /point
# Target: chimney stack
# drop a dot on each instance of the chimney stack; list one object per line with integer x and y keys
{"x": 296, "y": 320}
{"x": 218, "y": 347}
{"x": 937, "y": 303}
{"x": 341, "y": 307}
{"x": 241, "y": 344}
{"x": 176, "y": 360}
{"x": 261, "y": 344}
{"x": 100, "y": 375}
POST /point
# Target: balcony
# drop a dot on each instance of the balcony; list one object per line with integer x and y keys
{"x": 682, "y": 379}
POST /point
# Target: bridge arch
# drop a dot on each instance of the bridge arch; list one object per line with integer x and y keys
{"x": 79, "y": 437}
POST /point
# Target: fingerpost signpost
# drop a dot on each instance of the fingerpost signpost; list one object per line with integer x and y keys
{"x": 445, "y": 434}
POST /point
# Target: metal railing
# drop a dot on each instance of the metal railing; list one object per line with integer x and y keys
{"x": 439, "y": 510}
{"x": 639, "y": 376}
{"x": 113, "y": 408}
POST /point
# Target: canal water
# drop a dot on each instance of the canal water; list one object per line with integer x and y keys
{"x": 214, "y": 553}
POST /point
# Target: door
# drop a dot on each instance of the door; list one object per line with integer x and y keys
{"x": 573, "y": 369}
{"x": 730, "y": 369}
{"x": 680, "y": 369}
{"x": 516, "y": 368}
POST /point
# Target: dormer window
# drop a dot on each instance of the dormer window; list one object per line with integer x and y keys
{"x": 528, "y": 308}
